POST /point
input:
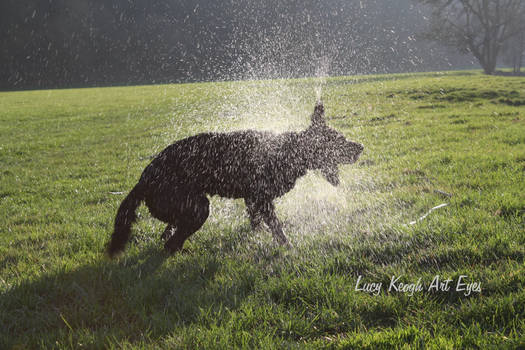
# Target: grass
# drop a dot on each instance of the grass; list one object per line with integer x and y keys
{"x": 65, "y": 153}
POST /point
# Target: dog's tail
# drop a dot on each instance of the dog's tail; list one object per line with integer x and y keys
{"x": 125, "y": 217}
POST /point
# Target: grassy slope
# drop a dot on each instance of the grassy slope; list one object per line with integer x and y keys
{"x": 63, "y": 152}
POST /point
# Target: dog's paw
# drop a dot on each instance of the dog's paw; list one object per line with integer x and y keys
{"x": 257, "y": 228}
{"x": 286, "y": 245}
{"x": 172, "y": 246}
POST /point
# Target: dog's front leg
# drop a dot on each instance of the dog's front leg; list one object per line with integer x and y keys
{"x": 254, "y": 214}
{"x": 270, "y": 218}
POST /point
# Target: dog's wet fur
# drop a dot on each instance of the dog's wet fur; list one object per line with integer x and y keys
{"x": 254, "y": 165}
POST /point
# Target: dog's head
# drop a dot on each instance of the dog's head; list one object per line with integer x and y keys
{"x": 326, "y": 148}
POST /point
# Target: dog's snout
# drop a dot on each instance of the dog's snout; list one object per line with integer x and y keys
{"x": 355, "y": 147}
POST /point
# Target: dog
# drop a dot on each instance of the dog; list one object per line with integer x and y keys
{"x": 254, "y": 165}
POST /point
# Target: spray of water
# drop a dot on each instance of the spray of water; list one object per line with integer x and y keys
{"x": 314, "y": 209}
{"x": 266, "y": 99}
{"x": 321, "y": 75}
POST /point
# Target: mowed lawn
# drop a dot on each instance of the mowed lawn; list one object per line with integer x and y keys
{"x": 67, "y": 158}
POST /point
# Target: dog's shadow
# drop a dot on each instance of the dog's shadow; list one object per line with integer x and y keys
{"x": 144, "y": 295}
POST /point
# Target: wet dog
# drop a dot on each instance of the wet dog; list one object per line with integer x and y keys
{"x": 254, "y": 165}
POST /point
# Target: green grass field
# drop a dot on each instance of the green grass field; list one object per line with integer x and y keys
{"x": 66, "y": 154}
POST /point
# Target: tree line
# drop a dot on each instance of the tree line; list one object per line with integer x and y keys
{"x": 68, "y": 43}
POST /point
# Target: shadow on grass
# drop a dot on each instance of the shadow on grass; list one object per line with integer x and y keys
{"x": 136, "y": 298}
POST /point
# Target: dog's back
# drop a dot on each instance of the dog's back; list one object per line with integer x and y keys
{"x": 232, "y": 164}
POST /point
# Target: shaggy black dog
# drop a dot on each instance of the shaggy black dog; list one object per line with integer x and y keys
{"x": 257, "y": 166}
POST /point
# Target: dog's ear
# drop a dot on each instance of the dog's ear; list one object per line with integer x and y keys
{"x": 318, "y": 115}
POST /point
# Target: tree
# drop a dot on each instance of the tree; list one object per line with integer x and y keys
{"x": 479, "y": 27}
{"x": 514, "y": 52}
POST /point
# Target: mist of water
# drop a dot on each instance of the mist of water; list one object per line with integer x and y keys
{"x": 267, "y": 100}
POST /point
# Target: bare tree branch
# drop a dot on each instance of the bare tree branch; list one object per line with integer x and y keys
{"x": 479, "y": 26}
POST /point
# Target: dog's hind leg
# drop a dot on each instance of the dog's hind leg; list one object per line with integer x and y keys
{"x": 189, "y": 216}
{"x": 161, "y": 207}
{"x": 267, "y": 210}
